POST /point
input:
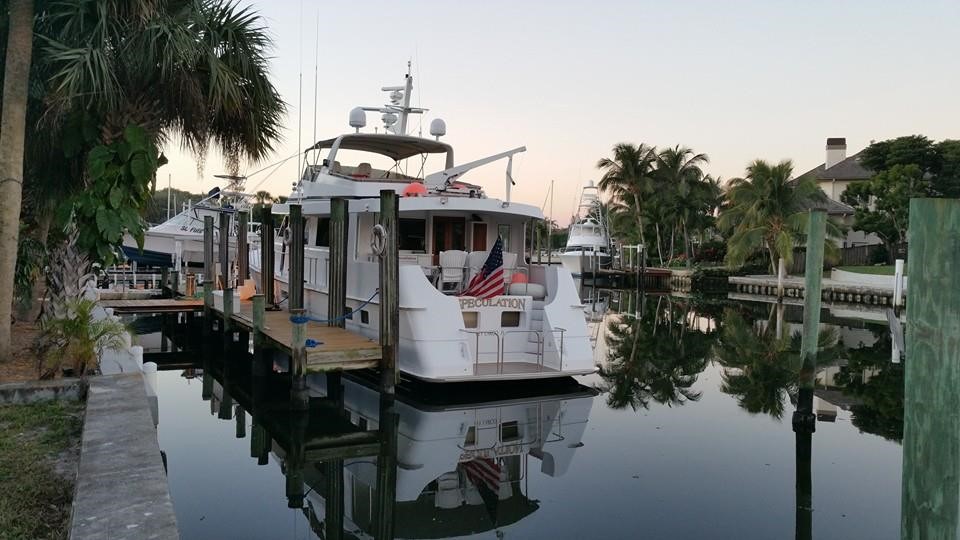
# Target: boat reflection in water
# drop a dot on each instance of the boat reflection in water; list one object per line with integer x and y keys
{"x": 359, "y": 466}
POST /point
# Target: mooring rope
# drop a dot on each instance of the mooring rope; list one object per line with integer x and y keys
{"x": 299, "y": 319}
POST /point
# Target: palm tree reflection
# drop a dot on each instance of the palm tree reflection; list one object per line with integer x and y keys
{"x": 761, "y": 367}
{"x": 655, "y": 358}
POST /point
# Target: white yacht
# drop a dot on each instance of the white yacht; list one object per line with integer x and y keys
{"x": 588, "y": 242}
{"x": 463, "y": 468}
{"x": 178, "y": 242}
{"x": 447, "y": 227}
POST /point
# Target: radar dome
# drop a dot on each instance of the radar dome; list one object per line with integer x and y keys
{"x": 438, "y": 128}
{"x": 358, "y": 118}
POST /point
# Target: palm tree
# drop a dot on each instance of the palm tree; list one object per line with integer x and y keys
{"x": 628, "y": 177}
{"x": 680, "y": 174}
{"x": 767, "y": 210}
{"x": 263, "y": 197}
{"x": 16, "y": 77}
{"x": 79, "y": 338}
{"x": 192, "y": 69}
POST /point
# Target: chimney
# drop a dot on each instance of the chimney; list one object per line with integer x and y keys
{"x": 836, "y": 151}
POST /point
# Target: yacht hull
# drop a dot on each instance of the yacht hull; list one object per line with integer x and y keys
{"x": 579, "y": 263}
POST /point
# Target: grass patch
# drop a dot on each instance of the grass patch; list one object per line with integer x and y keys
{"x": 39, "y": 454}
{"x": 875, "y": 270}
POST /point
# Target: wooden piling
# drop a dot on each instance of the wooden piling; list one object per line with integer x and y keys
{"x": 337, "y": 275}
{"x": 387, "y": 467}
{"x": 164, "y": 274}
{"x": 931, "y": 414}
{"x": 208, "y": 272}
{"x": 803, "y": 417}
{"x": 333, "y": 516}
{"x": 175, "y": 284}
{"x": 241, "y": 423}
{"x": 243, "y": 262}
{"x": 389, "y": 291}
{"x": 225, "y": 281}
{"x": 266, "y": 256}
{"x": 295, "y": 461}
{"x": 804, "y": 486}
{"x": 259, "y": 306}
{"x": 299, "y": 397}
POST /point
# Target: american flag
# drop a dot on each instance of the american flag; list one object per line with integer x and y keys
{"x": 488, "y": 283}
{"x": 484, "y": 472}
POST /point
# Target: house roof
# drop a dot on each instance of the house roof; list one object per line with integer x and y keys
{"x": 832, "y": 207}
{"x": 848, "y": 169}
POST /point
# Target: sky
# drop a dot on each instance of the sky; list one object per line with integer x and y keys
{"x": 736, "y": 80}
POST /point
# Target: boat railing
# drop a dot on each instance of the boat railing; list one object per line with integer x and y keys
{"x": 476, "y": 358}
{"x": 502, "y": 347}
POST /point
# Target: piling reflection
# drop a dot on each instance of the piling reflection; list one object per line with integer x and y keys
{"x": 357, "y": 465}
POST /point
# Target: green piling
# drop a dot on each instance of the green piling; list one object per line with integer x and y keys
{"x": 930, "y": 502}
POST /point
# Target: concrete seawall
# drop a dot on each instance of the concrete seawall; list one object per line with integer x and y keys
{"x": 121, "y": 490}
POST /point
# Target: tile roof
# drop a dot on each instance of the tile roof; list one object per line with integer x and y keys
{"x": 848, "y": 169}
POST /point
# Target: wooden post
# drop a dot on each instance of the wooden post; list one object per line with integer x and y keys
{"x": 295, "y": 460}
{"x": 931, "y": 406}
{"x": 337, "y": 275}
{"x": 243, "y": 257}
{"x": 803, "y": 418}
{"x": 175, "y": 285}
{"x": 389, "y": 291}
{"x": 208, "y": 272}
{"x": 299, "y": 397}
{"x": 804, "y": 486}
{"x": 241, "y": 427}
{"x": 333, "y": 517}
{"x": 387, "y": 467}
{"x": 164, "y": 274}
{"x": 226, "y": 403}
{"x": 259, "y": 306}
{"x": 266, "y": 257}
{"x": 225, "y": 251}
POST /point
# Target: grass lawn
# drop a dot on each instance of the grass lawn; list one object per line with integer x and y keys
{"x": 39, "y": 455}
{"x": 876, "y": 270}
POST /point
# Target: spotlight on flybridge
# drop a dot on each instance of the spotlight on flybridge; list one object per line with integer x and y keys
{"x": 389, "y": 119}
{"x": 358, "y": 118}
{"x": 396, "y": 96}
{"x": 438, "y": 128}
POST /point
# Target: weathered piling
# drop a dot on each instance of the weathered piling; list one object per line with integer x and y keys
{"x": 240, "y": 416}
{"x": 333, "y": 517}
{"x": 225, "y": 280}
{"x": 299, "y": 397}
{"x": 164, "y": 278}
{"x": 337, "y": 280}
{"x": 803, "y": 417}
{"x": 266, "y": 257}
{"x": 259, "y": 306}
{"x": 930, "y": 505}
{"x": 389, "y": 290}
{"x": 804, "y": 485}
{"x": 243, "y": 257}
{"x": 208, "y": 271}
{"x": 296, "y": 459}
{"x": 387, "y": 467}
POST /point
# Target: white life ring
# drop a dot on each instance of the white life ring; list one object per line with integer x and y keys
{"x": 287, "y": 236}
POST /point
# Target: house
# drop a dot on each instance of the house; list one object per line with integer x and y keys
{"x": 833, "y": 176}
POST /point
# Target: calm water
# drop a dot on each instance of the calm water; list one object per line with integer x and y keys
{"x": 686, "y": 433}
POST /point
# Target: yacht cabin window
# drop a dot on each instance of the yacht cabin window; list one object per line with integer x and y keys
{"x": 322, "y": 238}
{"x": 504, "y": 231}
{"x": 413, "y": 235}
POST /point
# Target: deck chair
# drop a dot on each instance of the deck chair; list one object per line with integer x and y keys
{"x": 475, "y": 262}
{"x": 509, "y": 265}
{"x": 452, "y": 264}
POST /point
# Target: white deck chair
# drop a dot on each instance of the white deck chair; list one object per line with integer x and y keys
{"x": 452, "y": 264}
{"x": 475, "y": 262}
{"x": 509, "y": 266}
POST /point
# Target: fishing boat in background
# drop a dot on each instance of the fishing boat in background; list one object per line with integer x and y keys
{"x": 472, "y": 305}
{"x": 588, "y": 241}
{"x": 178, "y": 242}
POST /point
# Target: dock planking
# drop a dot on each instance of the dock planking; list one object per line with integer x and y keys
{"x": 337, "y": 348}
{"x": 154, "y": 305}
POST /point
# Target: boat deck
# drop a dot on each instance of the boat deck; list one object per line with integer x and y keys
{"x": 336, "y": 349}
{"x": 154, "y": 305}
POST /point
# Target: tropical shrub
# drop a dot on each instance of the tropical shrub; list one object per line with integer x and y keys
{"x": 77, "y": 339}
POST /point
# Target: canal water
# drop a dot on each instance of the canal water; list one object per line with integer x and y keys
{"x": 685, "y": 433}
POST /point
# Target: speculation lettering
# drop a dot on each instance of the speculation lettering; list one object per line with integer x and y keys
{"x": 518, "y": 304}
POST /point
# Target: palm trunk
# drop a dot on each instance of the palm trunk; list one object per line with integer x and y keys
{"x": 12, "y": 125}
{"x": 781, "y": 273}
{"x": 688, "y": 248}
{"x": 636, "y": 201}
{"x": 673, "y": 235}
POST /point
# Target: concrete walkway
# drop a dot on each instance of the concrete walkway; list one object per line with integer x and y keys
{"x": 121, "y": 488}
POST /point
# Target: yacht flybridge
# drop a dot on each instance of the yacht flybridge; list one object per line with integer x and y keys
{"x": 534, "y": 328}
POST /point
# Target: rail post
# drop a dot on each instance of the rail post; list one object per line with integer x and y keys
{"x": 266, "y": 256}
{"x": 337, "y": 274}
{"x": 208, "y": 272}
{"x": 803, "y": 417}
{"x": 931, "y": 405}
{"x": 389, "y": 291}
{"x": 299, "y": 397}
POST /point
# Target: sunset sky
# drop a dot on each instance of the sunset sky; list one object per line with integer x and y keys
{"x": 735, "y": 80}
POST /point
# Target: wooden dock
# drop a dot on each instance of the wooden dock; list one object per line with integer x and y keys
{"x": 155, "y": 305}
{"x": 335, "y": 349}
